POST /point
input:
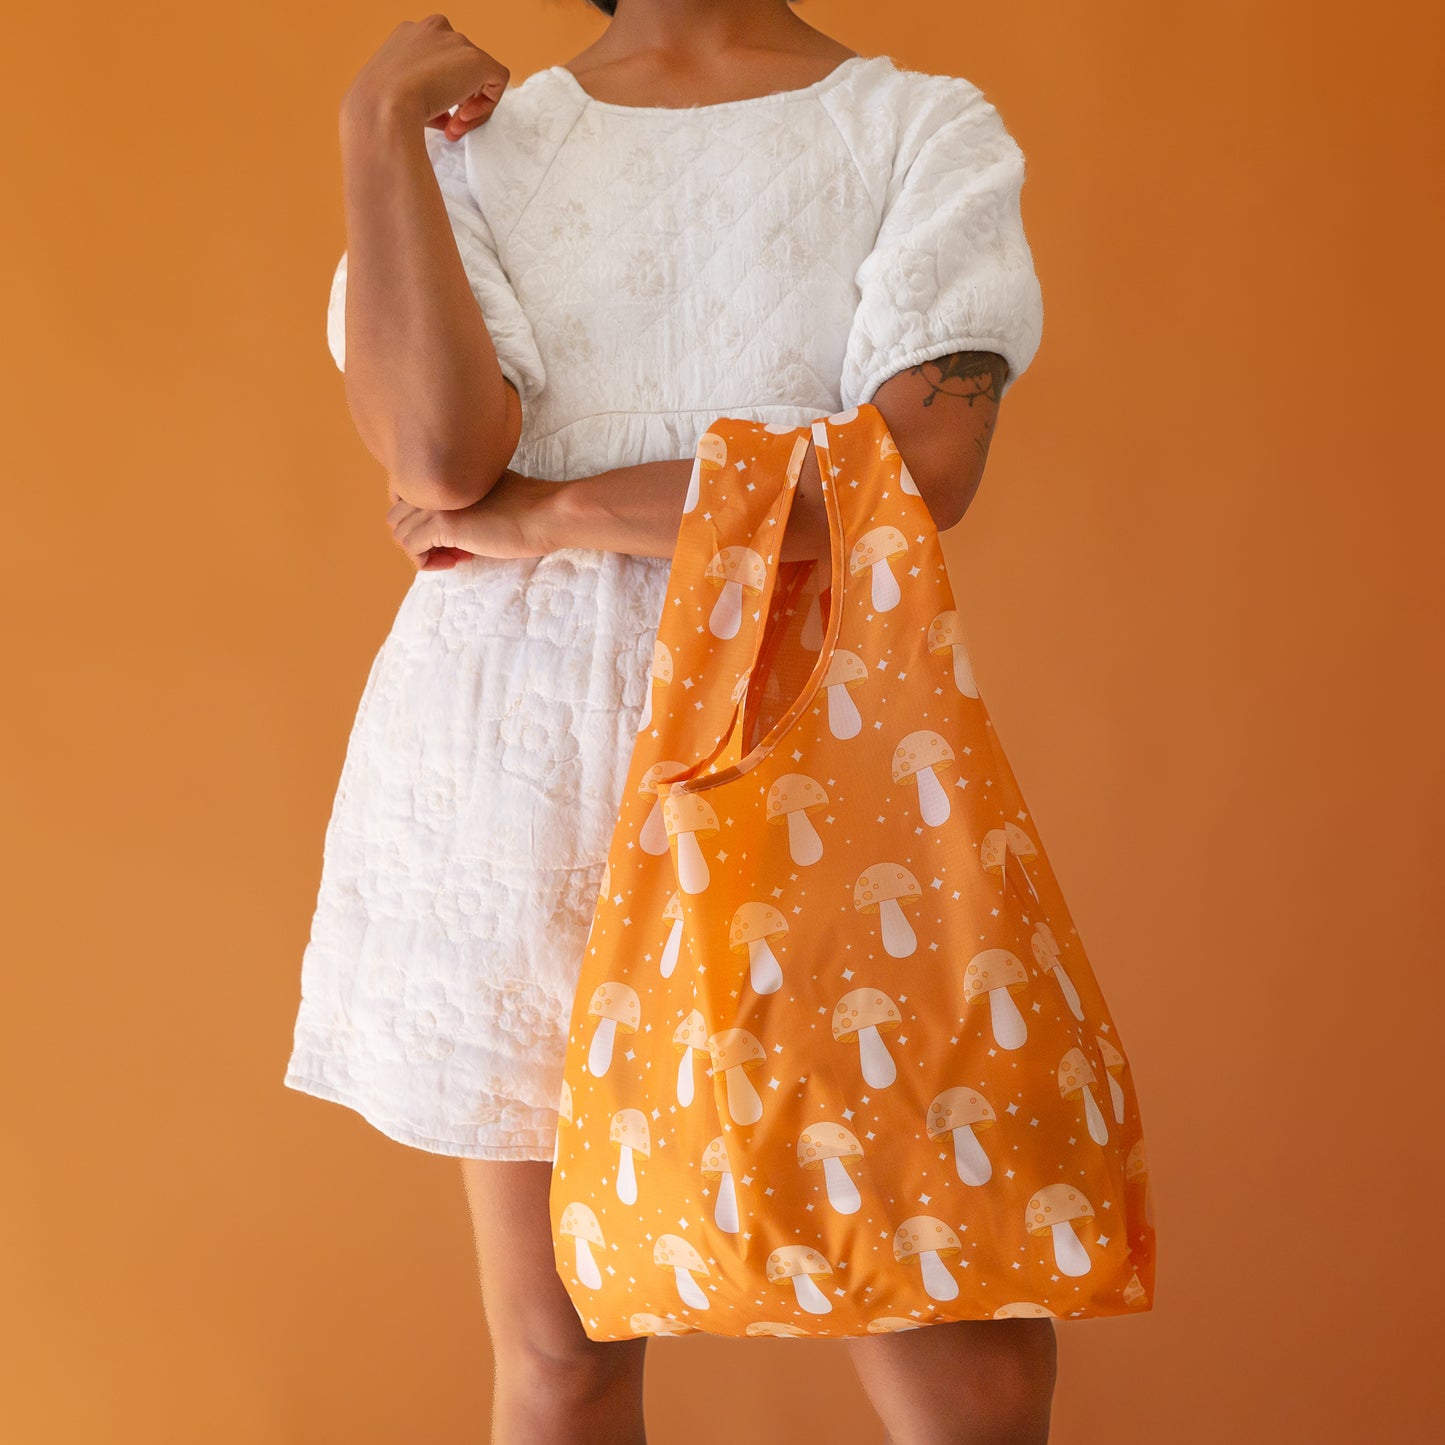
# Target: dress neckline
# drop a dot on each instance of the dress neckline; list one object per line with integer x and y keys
{"x": 772, "y": 97}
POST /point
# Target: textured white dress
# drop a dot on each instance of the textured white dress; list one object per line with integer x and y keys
{"x": 642, "y": 270}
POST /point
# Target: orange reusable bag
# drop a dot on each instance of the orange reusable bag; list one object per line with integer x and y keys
{"x": 837, "y": 1062}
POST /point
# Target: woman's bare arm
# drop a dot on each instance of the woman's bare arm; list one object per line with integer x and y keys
{"x": 422, "y": 379}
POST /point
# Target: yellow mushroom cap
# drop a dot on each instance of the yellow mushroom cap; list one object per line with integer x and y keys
{"x": 921, "y": 749}
{"x": 944, "y": 631}
{"x": 794, "y": 1259}
{"x": 715, "y": 1157}
{"x": 1056, "y": 1204}
{"x": 579, "y": 1220}
{"x": 629, "y": 1126}
{"x": 876, "y": 545}
{"x": 920, "y": 1233}
{"x": 738, "y": 564}
{"x": 661, "y": 661}
{"x": 793, "y": 791}
{"x": 844, "y": 667}
{"x": 619, "y": 1001}
{"x": 1019, "y": 841}
{"x": 665, "y": 769}
{"x": 1024, "y": 1310}
{"x": 673, "y": 907}
{"x": 733, "y": 1047}
{"x": 775, "y": 1327}
{"x": 884, "y": 880}
{"x": 675, "y": 1251}
{"x": 688, "y": 813}
{"x": 888, "y": 1324}
{"x": 755, "y": 920}
{"x": 1076, "y": 1073}
{"x": 991, "y": 969}
{"x": 691, "y": 1033}
{"x": 826, "y": 1140}
{"x": 564, "y": 1104}
{"x": 1135, "y": 1165}
{"x": 957, "y": 1108}
{"x": 712, "y": 449}
{"x": 1113, "y": 1059}
{"x": 861, "y": 1008}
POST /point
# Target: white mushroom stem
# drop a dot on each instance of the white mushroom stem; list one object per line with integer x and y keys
{"x": 1069, "y": 1253}
{"x": 646, "y": 717}
{"x": 812, "y": 636}
{"x": 687, "y": 1287}
{"x": 1071, "y": 994}
{"x": 743, "y": 1102}
{"x": 842, "y": 1192}
{"x": 587, "y": 1270}
{"x": 684, "y": 1078}
{"x": 973, "y": 1165}
{"x": 803, "y": 841}
{"x": 1009, "y": 1029}
{"x": 653, "y": 834}
{"x": 898, "y": 937}
{"x": 694, "y": 486}
{"x": 763, "y": 969}
{"x": 1116, "y": 1093}
{"x": 692, "y": 875}
{"x": 809, "y": 1296}
{"x": 1093, "y": 1118}
{"x": 599, "y": 1055}
{"x": 885, "y": 587}
{"x": 844, "y": 719}
{"x": 876, "y": 1061}
{"x": 670, "y": 948}
{"x": 725, "y": 1212}
{"x": 626, "y": 1177}
{"x": 727, "y": 612}
{"x": 937, "y": 1280}
{"x": 963, "y": 678}
{"x": 932, "y": 800}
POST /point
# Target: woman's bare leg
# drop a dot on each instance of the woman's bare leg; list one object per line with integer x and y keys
{"x": 553, "y": 1385}
{"x": 971, "y": 1382}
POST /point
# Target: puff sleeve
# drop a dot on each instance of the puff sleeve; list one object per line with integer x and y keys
{"x": 507, "y": 323}
{"x": 950, "y": 269}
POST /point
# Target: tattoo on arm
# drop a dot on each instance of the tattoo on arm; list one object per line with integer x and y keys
{"x": 966, "y": 376}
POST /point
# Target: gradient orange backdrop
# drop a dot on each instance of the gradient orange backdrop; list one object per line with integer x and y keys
{"x": 1202, "y": 584}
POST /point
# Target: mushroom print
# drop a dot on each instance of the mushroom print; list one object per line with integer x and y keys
{"x": 1054, "y": 1210}
{"x": 872, "y": 552}
{"x": 863, "y": 1015}
{"x": 1049, "y": 957}
{"x": 715, "y": 1165}
{"x": 685, "y": 815}
{"x": 831, "y": 978}
{"x": 928, "y": 1240}
{"x": 741, "y": 573}
{"x": 659, "y": 675}
{"x": 799, "y": 1263}
{"x": 630, "y": 1133}
{"x": 882, "y": 889}
{"x": 615, "y": 1006}
{"x": 580, "y": 1223}
{"x": 997, "y": 974}
{"x": 791, "y": 799}
{"x": 825, "y": 1146}
{"x": 846, "y": 670}
{"x": 959, "y": 1111}
{"x": 690, "y": 1038}
{"x": 673, "y": 1252}
{"x": 753, "y": 925}
{"x": 917, "y": 758}
{"x": 945, "y": 634}
{"x": 672, "y": 911}
{"x": 709, "y": 458}
{"x": 736, "y": 1052}
{"x": 653, "y": 833}
{"x": 1076, "y": 1075}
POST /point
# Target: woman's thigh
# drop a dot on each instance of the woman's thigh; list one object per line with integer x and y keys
{"x": 970, "y": 1382}
{"x": 530, "y": 1315}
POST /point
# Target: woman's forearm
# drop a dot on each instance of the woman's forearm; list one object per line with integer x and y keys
{"x": 422, "y": 379}
{"x": 638, "y": 509}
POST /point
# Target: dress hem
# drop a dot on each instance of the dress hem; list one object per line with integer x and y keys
{"x": 401, "y": 1134}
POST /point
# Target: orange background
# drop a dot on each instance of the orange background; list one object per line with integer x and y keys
{"x": 1202, "y": 587}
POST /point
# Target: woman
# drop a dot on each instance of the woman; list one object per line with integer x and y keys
{"x": 550, "y": 288}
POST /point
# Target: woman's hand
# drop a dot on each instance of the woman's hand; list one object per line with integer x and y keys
{"x": 420, "y": 71}
{"x": 505, "y": 523}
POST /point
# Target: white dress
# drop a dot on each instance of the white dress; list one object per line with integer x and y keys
{"x": 642, "y": 270}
